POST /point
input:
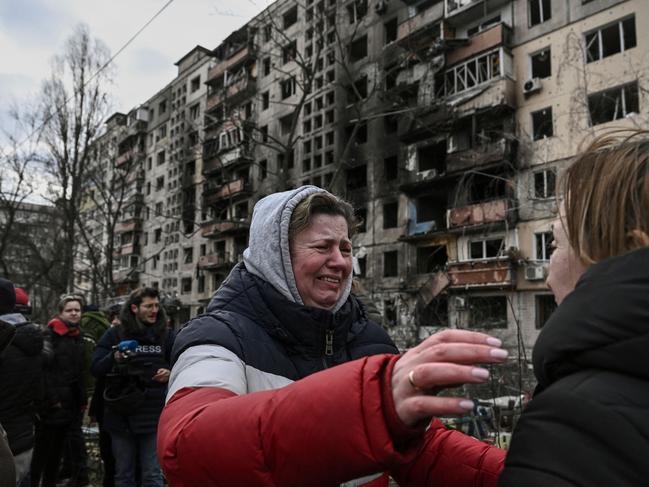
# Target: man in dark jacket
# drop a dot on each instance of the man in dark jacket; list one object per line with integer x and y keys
{"x": 134, "y": 358}
{"x": 7, "y": 333}
{"x": 21, "y": 376}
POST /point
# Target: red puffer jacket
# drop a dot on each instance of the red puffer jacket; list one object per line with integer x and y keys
{"x": 298, "y": 436}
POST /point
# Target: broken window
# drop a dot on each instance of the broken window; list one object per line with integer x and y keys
{"x": 266, "y": 70}
{"x": 611, "y": 39}
{"x": 390, "y": 264}
{"x": 435, "y": 313}
{"x": 390, "y": 124}
{"x": 265, "y": 100}
{"x": 488, "y": 312}
{"x": 543, "y": 245}
{"x": 432, "y": 157}
{"x": 358, "y": 49}
{"x": 539, "y": 11}
{"x": 390, "y": 28}
{"x": 290, "y": 17}
{"x": 545, "y": 183}
{"x": 431, "y": 259}
{"x": 542, "y": 126}
{"x": 361, "y": 133}
{"x": 390, "y": 215}
{"x": 288, "y": 87}
{"x": 430, "y": 209}
{"x": 289, "y": 52}
{"x": 486, "y": 248}
{"x": 391, "y": 168}
{"x": 357, "y": 10}
{"x": 362, "y": 266}
{"x": 357, "y": 177}
{"x": 614, "y": 103}
{"x": 195, "y": 84}
{"x": 545, "y": 306}
{"x": 188, "y": 255}
{"x": 286, "y": 124}
{"x": 541, "y": 64}
{"x": 263, "y": 169}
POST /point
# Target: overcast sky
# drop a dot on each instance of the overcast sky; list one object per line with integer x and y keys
{"x": 32, "y": 31}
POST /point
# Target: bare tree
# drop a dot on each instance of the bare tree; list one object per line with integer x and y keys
{"x": 73, "y": 105}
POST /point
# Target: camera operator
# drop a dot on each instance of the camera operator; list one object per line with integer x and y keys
{"x": 134, "y": 359}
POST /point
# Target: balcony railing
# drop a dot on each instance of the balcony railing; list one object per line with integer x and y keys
{"x": 130, "y": 225}
{"x": 127, "y": 275}
{"x": 218, "y": 260}
{"x": 480, "y": 213}
{"x": 233, "y": 188}
{"x": 227, "y": 65}
{"x": 124, "y": 158}
{"x": 233, "y": 93}
{"x": 128, "y": 249}
{"x": 426, "y": 18}
{"x": 482, "y": 273}
{"x": 498, "y": 35}
{"x": 481, "y": 155}
{"x": 215, "y": 229}
{"x": 465, "y": 11}
{"x": 226, "y": 159}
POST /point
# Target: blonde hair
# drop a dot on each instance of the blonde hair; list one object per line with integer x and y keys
{"x": 606, "y": 195}
{"x": 318, "y": 204}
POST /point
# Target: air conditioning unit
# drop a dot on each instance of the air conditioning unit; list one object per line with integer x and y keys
{"x": 534, "y": 273}
{"x": 532, "y": 85}
{"x": 459, "y": 302}
{"x": 381, "y": 6}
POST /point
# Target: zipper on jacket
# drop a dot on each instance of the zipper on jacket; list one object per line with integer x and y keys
{"x": 329, "y": 343}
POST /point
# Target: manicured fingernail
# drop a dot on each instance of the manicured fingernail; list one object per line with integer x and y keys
{"x": 480, "y": 373}
{"x": 468, "y": 405}
{"x": 494, "y": 342}
{"x": 498, "y": 353}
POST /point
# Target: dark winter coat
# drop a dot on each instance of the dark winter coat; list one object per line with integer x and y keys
{"x": 153, "y": 353}
{"x": 65, "y": 389}
{"x": 21, "y": 380}
{"x": 588, "y": 424}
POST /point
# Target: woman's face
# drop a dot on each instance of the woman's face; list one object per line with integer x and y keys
{"x": 565, "y": 268}
{"x": 321, "y": 255}
{"x": 71, "y": 312}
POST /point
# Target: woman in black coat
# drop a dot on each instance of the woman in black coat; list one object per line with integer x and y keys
{"x": 588, "y": 424}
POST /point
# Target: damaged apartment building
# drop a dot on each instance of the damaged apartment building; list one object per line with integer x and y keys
{"x": 446, "y": 123}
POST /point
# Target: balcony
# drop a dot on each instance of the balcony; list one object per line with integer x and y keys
{"x": 461, "y": 12}
{"x": 245, "y": 54}
{"x": 424, "y": 123}
{"x": 127, "y": 249}
{"x": 482, "y": 274}
{"x": 126, "y": 275}
{"x": 483, "y": 213}
{"x": 220, "y": 228}
{"x": 236, "y": 188}
{"x": 482, "y": 155}
{"x": 223, "y": 260}
{"x": 422, "y": 23}
{"x": 130, "y": 225}
{"x": 229, "y": 158}
{"x": 124, "y": 158}
{"x": 498, "y": 35}
{"x": 234, "y": 93}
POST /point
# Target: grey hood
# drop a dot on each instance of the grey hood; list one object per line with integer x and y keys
{"x": 268, "y": 254}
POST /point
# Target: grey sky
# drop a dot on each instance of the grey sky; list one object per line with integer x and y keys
{"x": 33, "y": 31}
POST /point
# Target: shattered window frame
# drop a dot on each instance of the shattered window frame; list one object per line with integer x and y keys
{"x": 473, "y": 72}
{"x": 598, "y": 42}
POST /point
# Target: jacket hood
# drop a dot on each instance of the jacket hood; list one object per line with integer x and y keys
{"x": 602, "y": 324}
{"x": 268, "y": 254}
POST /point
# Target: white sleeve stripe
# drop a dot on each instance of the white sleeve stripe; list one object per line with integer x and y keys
{"x": 216, "y": 366}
